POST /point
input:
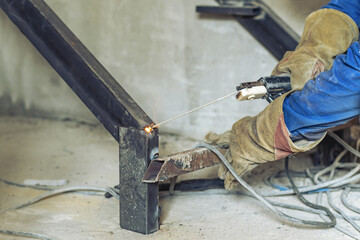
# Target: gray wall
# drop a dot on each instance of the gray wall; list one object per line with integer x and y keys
{"x": 165, "y": 55}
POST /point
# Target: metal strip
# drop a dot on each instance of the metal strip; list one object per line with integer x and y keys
{"x": 161, "y": 169}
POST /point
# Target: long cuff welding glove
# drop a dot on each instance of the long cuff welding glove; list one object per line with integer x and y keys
{"x": 255, "y": 140}
{"x": 327, "y": 33}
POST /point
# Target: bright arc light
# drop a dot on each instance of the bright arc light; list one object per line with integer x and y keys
{"x": 148, "y": 129}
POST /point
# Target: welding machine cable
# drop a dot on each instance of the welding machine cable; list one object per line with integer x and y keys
{"x": 26, "y": 234}
{"x": 346, "y": 217}
{"x": 262, "y": 199}
{"x": 344, "y": 200}
{"x": 56, "y": 192}
{"x": 341, "y": 229}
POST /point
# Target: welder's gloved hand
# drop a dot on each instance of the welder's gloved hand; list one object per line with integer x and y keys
{"x": 221, "y": 141}
{"x": 255, "y": 140}
{"x": 327, "y": 33}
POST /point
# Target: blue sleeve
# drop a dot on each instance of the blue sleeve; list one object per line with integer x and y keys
{"x": 332, "y": 99}
{"x": 350, "y": 7}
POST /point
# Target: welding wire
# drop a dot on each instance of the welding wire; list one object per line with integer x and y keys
{"x": 26, "y": 234}
{"x": 345, "y": 201}
{"x": 337, "y": 227}
{"x": 193, "y": 110}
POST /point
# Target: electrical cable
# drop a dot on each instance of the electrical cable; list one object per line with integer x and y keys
{"x": 26, "y": 185}
{"x": 56, "y": 192}
{"x": 344, "y": 200}
{"x": 357, "y": 149}
{"x": 332, "y": 222}
{"x": 331, "y": 168}
{"x": 344, "y": 144}
{"x": 280, "y": 174}
{"x": 26, "y": 234}
{"x": 275, "y": 203}
{"x": 332, "y": 183}
{"x": 342, "y": 213}
{"x": 336, "y": 183}
{"x": 337, "y": 227}
{"x": 112, "y": 191}
{"x": 259, "y": 197}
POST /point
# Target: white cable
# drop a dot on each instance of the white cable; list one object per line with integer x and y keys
{"x": 26, "y": 234}
{"x": 251, "y": 190}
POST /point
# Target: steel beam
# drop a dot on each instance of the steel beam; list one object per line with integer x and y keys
{"x": 249, "y": 11}
{"x": 93, "y": 84}
{"x": 270, "y": 30}
{"x": 107, "y": 100}
{"x": 138, "y": 201}
{"x": 161, "y": 169}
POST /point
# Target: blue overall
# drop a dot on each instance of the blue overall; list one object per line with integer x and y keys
{"x": 333, "y": 98}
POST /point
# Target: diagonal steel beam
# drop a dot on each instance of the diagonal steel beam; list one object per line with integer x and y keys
{"x": 260, "y": 21}
{"x": 93, "y": 84}
{"x": 106, "y": 99}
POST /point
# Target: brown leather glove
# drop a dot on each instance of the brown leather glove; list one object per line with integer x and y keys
{"x": 255, "y": 140}
{"x": 327, "y": 33}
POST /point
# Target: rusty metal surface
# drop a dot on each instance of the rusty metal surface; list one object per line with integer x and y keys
{"x": 139, "y": 209}
{"x": 161, "y": 169}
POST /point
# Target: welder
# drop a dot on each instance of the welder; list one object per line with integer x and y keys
{"x": 325, "y": 78}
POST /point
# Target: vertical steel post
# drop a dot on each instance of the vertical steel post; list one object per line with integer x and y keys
{"x": 104, "y": 96}
{"x": 138, "y": 201}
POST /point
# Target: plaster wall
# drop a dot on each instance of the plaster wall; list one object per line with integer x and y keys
{"x": 166, "y": 56}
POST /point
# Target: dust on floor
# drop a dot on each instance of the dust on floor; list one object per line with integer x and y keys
{"x": 88, "y": 155}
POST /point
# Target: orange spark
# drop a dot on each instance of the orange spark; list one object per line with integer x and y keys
{"x": 148, "y": 129}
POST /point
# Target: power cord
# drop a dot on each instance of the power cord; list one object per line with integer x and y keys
{"x": 330, "y": 224}
{"x": 261, "y": 198}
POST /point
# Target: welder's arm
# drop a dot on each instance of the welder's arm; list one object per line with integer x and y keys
{"x": 349, "y": 7}
{"x": 332, "y": 99}
{"x": 272, "y": 134}
{"x": 328, "y": 32}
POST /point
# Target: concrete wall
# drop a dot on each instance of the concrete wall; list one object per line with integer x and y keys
{"x": 165, "y": 55}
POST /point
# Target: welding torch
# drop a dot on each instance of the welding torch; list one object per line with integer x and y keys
{"x": 268, "y": 88}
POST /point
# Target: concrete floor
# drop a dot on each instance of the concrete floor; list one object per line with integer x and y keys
{"x": 88, "y": 155}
